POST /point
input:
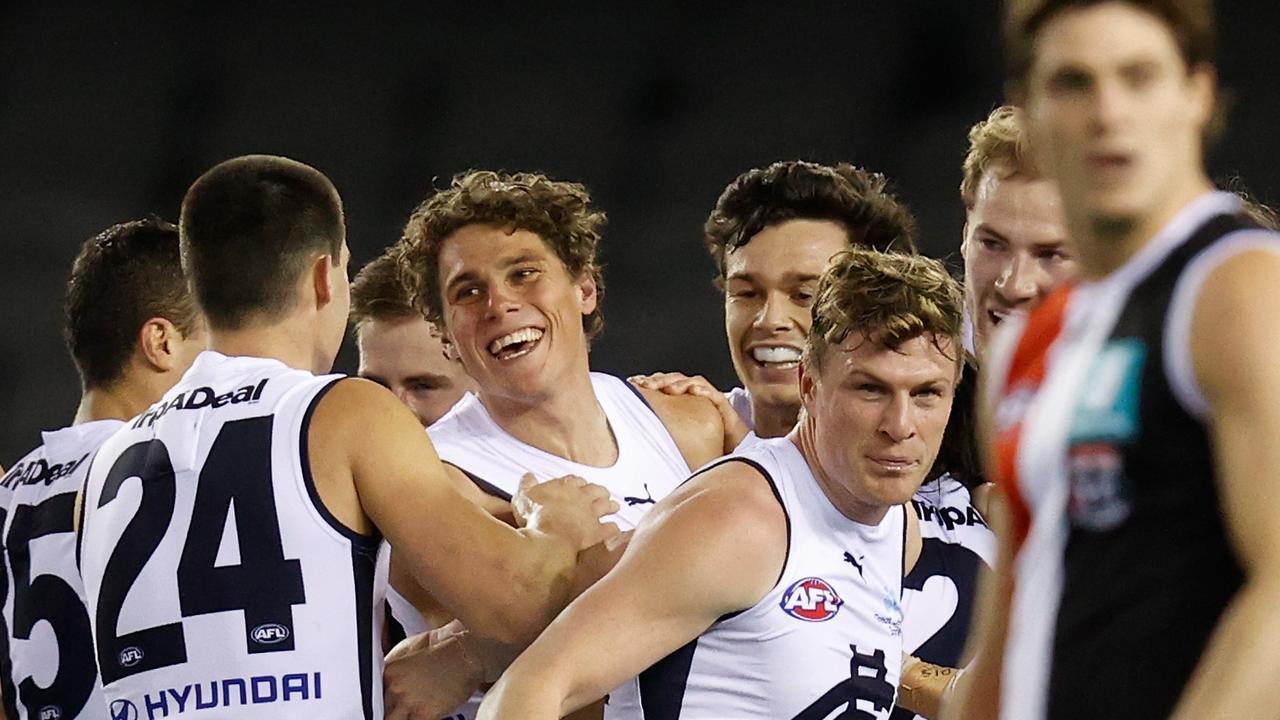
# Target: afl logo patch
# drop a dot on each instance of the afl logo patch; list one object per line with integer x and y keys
{"x": 130, "y": 656}
{"x": 270, "y": 633}
{"x": 812, "y": 600}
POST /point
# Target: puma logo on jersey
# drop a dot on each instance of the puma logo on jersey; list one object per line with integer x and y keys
{"x": 200, "y": 397}
{"x": 812, "y": 600}
{"x": 633, "y": 501}
{"x": 947, "y": 516}
{"x": 39, "y": 471}
{"x": 849, "y": 558}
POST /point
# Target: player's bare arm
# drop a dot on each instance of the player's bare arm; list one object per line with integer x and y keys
{"x": 713, "y": 547}
{"x": 431, "y": 674}
{"x": 923, "y": 687}
{"x": 1234, "y": 357}
{"x": 374, "y": 467}
{"x": 694, "y": 423}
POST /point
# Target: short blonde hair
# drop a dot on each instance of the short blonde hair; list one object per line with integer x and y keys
{"x": 888, "y": 297}
{"x": 997, "y": 144}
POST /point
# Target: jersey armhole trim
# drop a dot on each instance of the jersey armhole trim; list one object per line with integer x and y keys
{"x": 304, "y": 451}
{"x": 905, "y": 520}
{"x": 773, "y": 487}
{"x": 636, "y": 391}
{"x": 84, "y": 502}
{"x": 485, "y": 486}
{"x": 1179, "y": 369}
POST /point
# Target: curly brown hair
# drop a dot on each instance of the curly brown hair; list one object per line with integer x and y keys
{"x": 997, "y": 144}
{"x": 559, "y": 212}
{"x": 888, "y": 297}
{"x": 795, "y": 189}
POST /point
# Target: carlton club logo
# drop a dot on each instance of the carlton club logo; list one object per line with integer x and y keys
{"x": 812, "y": 600}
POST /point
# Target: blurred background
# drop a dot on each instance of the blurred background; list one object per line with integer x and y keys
{"x": 108, "y": 114}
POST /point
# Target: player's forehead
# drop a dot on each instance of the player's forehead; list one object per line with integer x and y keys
{"x": 1019, "y": 209}
{"x": 922, "y": 359}
{"x": 400, "y": 345}
{"x": 1102, "y": 38}
{"x": 485, "y": 248}
{"x": 791, "y": 250}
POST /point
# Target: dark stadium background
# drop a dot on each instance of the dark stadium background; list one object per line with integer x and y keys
{"x": 107, "y": 114}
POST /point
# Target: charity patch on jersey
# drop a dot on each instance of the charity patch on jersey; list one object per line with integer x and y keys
{"x": 811, "y": 599}
{"x": 1105, "y": 420}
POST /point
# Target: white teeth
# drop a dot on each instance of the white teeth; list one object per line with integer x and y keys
{"x": 519, "y": 336}
{"x": 776, "y": 354}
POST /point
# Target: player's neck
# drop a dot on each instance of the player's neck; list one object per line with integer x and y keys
{"x": 567, "y": 421}
{"x": 119, "y": 401}
{"x": 281, "y": 341}
{"x": 773, "y": 421}
{"x": 835, "y": 488}
{"x": 1106, "y": 244}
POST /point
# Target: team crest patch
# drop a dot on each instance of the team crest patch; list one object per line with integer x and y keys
{"x": 1099, "y": 492}
{"x": 812, "y": 600}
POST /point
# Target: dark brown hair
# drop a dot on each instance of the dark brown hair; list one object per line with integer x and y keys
{"x": 123, "y": 277}
{"x": 559, "y": 212}
{"x": 249, "y": 227}
{"x": 794, "y": 189}
{"x": 1190, "y": 21}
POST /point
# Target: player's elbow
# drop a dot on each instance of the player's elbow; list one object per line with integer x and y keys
{"x": 535, "y": 594}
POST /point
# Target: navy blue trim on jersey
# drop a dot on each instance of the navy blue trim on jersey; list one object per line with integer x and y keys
{"x": 643, "y": 399}
{"x": 662, "y": 686}
{"x": 485, "y": 486}
{"x": 395, "y": 631}
{"x": 84, "y": 495}
{"x": 8, "y": 691}
{"x": 906, "y": 520}
{"x": 304, "y": 452}
{"x": 363, "y": 565}
{"x": 773, "y": 487}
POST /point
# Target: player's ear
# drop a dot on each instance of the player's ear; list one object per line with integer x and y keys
{"x": 588, "y": 292}
{"x": 158, "y": 340}
{"x": 806, "y": 378}
{"x": 321, "y": 279}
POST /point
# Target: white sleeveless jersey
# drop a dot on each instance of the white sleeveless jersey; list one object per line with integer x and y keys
{"x": 218, "y": 584}
{"x": 649, "y": 466}
{"x": 940, "y": 592}
{"x": 825, "y": 642}
{"x": 49, "y": 672}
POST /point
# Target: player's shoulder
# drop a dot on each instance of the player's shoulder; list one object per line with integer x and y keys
{"x": 693, "y": 422}
{"x": 732, "y": 494}
{"x": 355, "y": 409}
